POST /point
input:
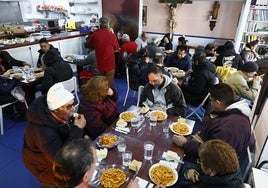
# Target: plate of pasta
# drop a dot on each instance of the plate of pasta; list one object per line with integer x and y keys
{"x": 180, "y": 128}
{"x": 107, "y": 140}
{"x": 163, "y": 174}
{"x": 110, "y": 176}
{"x": 159, "y": 114}
{"x": 127, "y": 115}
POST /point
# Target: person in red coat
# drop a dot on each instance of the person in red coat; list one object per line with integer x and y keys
{"x": 98, "y": 104}
{"x": 105, "y": 43}
{"x": 127, "y": 46}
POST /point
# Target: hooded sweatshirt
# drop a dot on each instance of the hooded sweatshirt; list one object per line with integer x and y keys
{"x": 201, "y": 79}
{"x": 168, "y": 97}
{"x": 231, "y": 126}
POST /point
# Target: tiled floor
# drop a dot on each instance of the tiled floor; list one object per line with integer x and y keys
{"x": 12, "y": 171}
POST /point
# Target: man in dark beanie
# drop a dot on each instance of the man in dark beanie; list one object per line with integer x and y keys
{"x": 245, "y": 82}
{"x": 55, "y": 70}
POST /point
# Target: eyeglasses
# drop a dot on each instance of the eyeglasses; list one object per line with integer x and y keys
{"x": 69, "y": 106}
{"x": 199, "y": 162}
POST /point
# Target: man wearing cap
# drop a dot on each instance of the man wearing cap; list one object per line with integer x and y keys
{"x": 245, "y": 83}
{"x": 127, "y": 46}
{"x": 105, "y": 44}
{"x": 49, "y": 128}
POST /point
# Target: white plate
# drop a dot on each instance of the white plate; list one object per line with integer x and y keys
{"x": 108, "y": 147}
{"x": 129, "y": 119}
{"x": 95, "y": 180}
{"x": 173, "y": 170}
{"x": 159, "y": 111}
{"x": 172, "y": 129}
{"x": 172, "y": 69}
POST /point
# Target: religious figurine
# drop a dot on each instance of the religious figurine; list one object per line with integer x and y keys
{"x": 214, "y": 17}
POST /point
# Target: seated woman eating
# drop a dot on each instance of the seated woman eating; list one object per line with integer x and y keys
{"x": 98, "y": 104}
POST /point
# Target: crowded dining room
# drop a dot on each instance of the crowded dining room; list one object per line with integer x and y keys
{"x": 135, "y": 94}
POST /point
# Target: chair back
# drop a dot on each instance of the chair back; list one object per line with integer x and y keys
{"x": 139, "y": 94}
{"x": 245, "y": 162}
{"x": 1, "y": 113}
{"x": 71, "y": 85}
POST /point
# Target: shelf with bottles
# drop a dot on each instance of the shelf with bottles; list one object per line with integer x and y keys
{"x": 248, "y": 37}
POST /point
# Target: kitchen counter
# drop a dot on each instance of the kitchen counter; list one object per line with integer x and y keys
{"x": 55, "y": 37}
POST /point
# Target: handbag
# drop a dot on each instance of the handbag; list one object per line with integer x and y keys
{"x": 18, "y": 93}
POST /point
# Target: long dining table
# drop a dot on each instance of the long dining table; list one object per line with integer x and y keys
{"x": 135, "y": 139}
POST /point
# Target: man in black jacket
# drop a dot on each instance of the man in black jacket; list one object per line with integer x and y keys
{"x": 55, "y": 71}
{"x": 50, "y": 126}
{"x": 44, "y": 47}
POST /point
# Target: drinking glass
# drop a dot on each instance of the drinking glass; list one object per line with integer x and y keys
{"x": 165, "y": 126}
{"x": 153, "y": 120}
{"x": 121, "y": 144}
{"x": 148, "y": 150}
{"x": 126, "y": 158}
{"x": 134, "y": 122}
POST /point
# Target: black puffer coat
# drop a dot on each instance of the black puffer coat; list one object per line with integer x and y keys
{"x": 43, "y": 137}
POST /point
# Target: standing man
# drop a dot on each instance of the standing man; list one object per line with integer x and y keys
{"x": 105, "y": 44}
{"x": 44, "y": 47}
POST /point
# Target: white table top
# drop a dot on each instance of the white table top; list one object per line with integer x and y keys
{"x": 260, "y": 178}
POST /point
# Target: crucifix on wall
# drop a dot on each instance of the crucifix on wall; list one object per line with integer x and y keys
{"x": 172, "y": 20}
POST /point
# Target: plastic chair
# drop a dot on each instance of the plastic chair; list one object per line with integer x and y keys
{"x": 128, "y": 86}
{"x": 1, "y": 113}
{"x": 194, "y": 110}
{"x": 71, "y": 85}
{"x": 139, "y": 94}
{"x": 245, "y": 164}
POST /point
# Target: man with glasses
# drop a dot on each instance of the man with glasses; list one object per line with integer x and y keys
{"x": 228, "y": 122}
{"x": 50, "y": 125}
{"x": 162, "y": 94}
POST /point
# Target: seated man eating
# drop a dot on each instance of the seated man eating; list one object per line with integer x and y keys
{"x": 162, "y": 93}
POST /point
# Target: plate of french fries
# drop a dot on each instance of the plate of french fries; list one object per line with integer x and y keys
{"x": 162, "y": 174}
{"x": 161, "y": 115}
{"x": 180, "y": 128}
{"x": 127, "y": 115}
{"x": 110, "y": 176}
{"x": 107, "y": 140}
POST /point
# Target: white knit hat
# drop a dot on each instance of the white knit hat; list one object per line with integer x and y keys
{"x": 58, "y": 96}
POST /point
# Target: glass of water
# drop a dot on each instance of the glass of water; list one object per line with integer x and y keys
{"x": 153, "y": 120}
{"x": 148, "y": 150}
{"x": 134, "y": 122}
{"x": 121, "y": 146}
{"x": 126, "y": 158}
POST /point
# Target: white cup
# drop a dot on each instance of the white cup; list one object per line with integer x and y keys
{"x": 153, "y": 120}
{"x": 148, "y": 150}
{"x": 122, "y": 146}
{"x": 126, "y": 158}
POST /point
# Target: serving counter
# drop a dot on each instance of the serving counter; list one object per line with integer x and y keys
{"x": 67, "y": 43}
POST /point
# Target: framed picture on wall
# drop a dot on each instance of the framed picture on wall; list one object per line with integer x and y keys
{"x": 144, "y": 16}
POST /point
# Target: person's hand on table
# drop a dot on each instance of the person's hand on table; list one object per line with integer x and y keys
{"x": 17, "y": 76}
{"x": 80, "y": 121}
{"x": 192, "y": 175}
{"x": 179, "y": 140}
{"x": 133, "y": 184}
